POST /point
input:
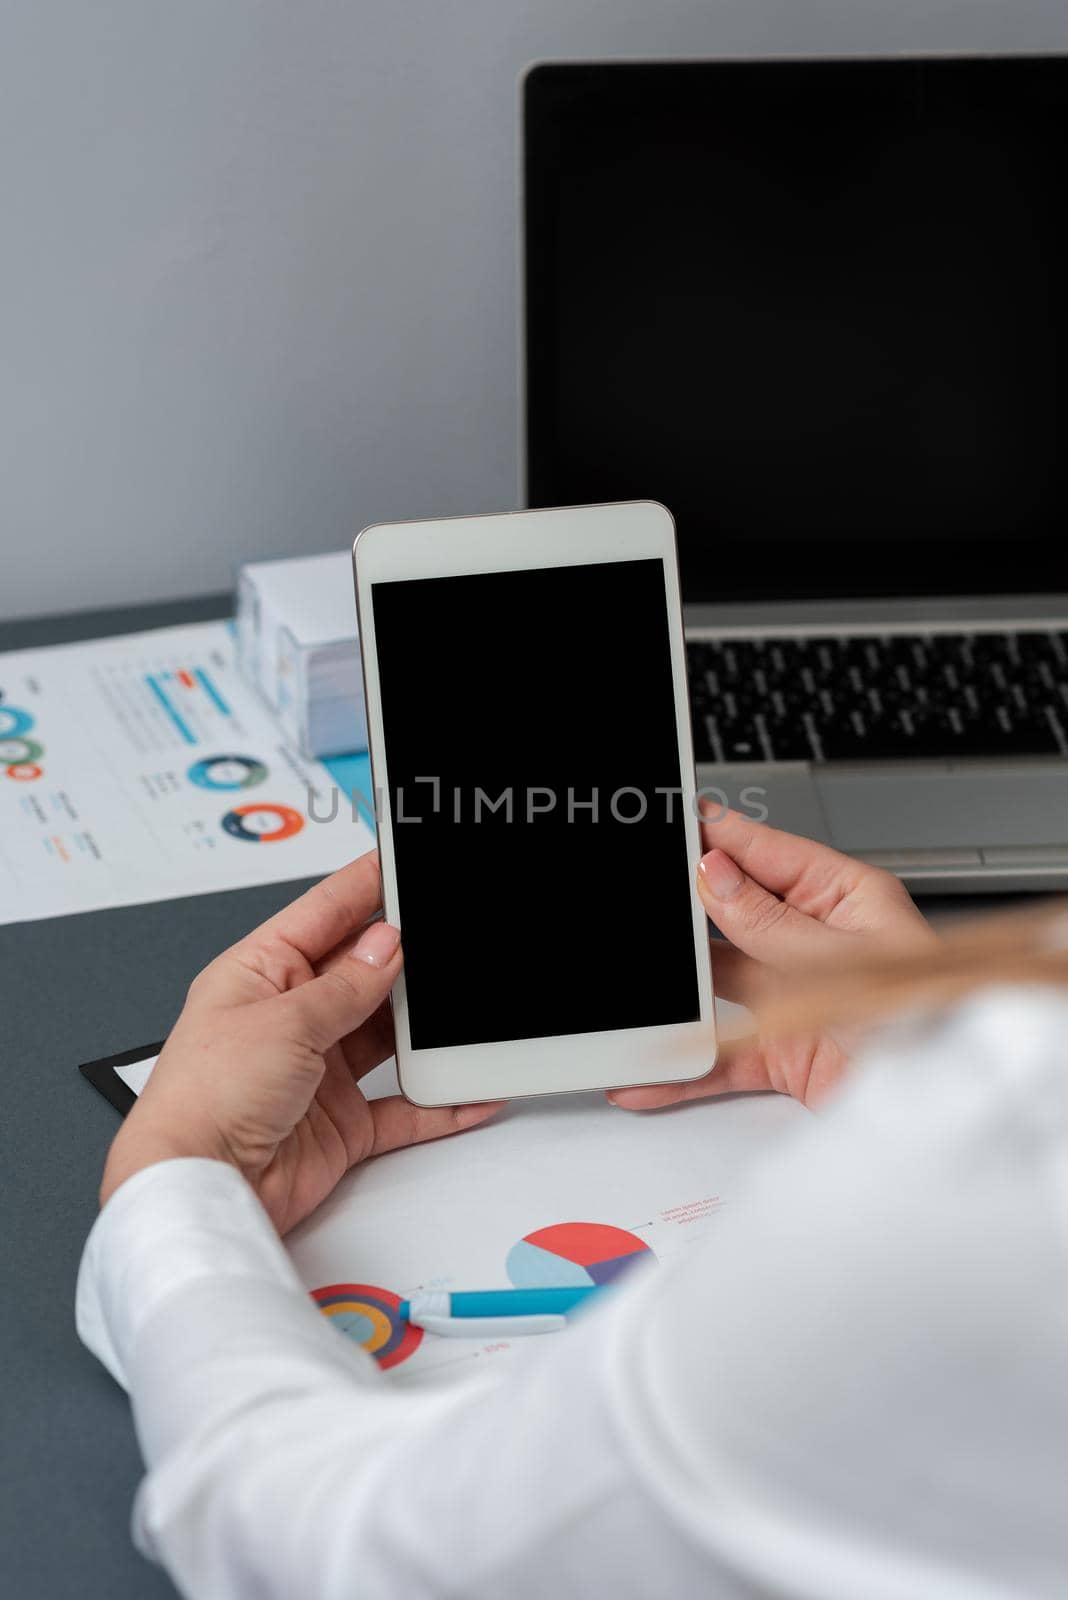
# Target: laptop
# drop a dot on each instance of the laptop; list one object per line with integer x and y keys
{"x": 819, "y": 309}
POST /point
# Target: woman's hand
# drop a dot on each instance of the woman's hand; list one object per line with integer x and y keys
{"x": 785, "y": 904}
{"x": 263, "y": 1067}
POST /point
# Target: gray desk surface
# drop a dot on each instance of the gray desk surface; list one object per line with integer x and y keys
{"x": 74, "y": 989}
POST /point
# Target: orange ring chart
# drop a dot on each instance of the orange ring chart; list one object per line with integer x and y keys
{"x": 371, "y": 1318}
{"x": 262, "y": 823}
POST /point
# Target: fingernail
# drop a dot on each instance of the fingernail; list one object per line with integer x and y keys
{"x": 377, "y": 944}
{"x": 722, "y": 877}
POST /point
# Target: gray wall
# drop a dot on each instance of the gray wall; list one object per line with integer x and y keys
{"x": 258, "y": 269}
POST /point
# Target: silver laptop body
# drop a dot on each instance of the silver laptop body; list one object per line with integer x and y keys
{"x": 819, "y": 309}
{"x": 944, "y": 826}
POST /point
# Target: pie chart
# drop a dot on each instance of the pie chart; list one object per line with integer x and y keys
{"x": 573, "y": 1254}
{"x": 14, "y": 722}
{"x": 264, "y": 823}
{"x": 370, "y": 1317}
{"x": 227, "y": 772}
{"x": 18, "y": 752}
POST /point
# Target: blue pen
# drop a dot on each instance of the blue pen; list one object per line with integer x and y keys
{"x": 495, "y": 1313}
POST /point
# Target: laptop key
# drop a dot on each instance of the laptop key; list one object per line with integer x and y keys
{"x": 789, "y": 741}
{"x": 703, "y": 749}
{"x": 735, "y": 741}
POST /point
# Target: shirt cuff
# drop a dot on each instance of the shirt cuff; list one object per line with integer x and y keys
{"x": 163, "y": 1229}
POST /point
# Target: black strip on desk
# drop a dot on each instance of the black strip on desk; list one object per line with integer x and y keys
{"x": 102, "y": 1075}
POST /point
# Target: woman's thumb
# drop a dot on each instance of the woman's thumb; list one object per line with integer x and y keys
{"x": 351, "y": 987}
{"x": 754, "y": 919}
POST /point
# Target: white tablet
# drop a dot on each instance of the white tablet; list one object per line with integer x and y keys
{"x": 530, "y": 741}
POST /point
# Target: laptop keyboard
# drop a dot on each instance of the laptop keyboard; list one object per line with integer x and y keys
{"x": 880, "y": 697}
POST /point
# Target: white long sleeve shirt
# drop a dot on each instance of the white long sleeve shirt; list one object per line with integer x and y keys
{"x": 856, "y": 1386}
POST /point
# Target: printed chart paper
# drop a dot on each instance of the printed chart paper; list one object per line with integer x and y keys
{"x": 143, "y": 768}
{"x": 566, "y": 1190}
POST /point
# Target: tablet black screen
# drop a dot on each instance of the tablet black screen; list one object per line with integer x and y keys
{"x": 565, "y": 906}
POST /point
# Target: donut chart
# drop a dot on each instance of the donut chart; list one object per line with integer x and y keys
{"x": 574, "y": 1254}
{"x": 227, "y": 772}
{"x": 371, "y": 1318}
{"x": 14, "y": 722}
{"x": 19, "y": 752}
{"x": 265, "y": 823}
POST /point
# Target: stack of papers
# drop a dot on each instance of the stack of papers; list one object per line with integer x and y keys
{"x": 298, "y": 647}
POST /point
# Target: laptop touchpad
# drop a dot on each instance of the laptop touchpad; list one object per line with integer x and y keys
{"x": 948, "y": 808}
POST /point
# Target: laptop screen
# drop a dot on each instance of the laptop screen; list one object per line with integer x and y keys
{"x": 819, "y": 309}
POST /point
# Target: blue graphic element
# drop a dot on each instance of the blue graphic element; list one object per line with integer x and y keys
{"x": 352, "y": 774}
{"x": 182, "y": 726}
{"x": 355, "y": 1326}
{"x": 14, "y": 722}
{"x": 213, "y": 693}
{"x": 534, "y": 1268}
